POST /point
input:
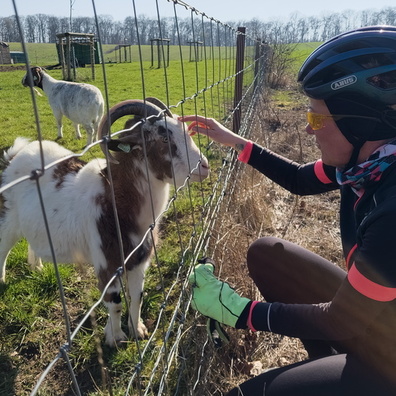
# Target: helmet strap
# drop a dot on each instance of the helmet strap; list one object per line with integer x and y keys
{"x": 357, "y": 145}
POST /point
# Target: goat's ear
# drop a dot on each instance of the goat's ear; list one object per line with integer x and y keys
{"x": 121, "y": 146}
{"x": 117, "y": 145}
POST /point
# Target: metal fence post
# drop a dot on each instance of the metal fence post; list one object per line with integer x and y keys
{"x": 240, "y": 56}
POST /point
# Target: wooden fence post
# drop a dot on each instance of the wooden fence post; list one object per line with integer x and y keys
{"x": 240, "y": 56}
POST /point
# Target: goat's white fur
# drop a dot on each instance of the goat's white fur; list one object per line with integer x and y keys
{"x": 82, "y": 103}
{"x": 73, "y": 210}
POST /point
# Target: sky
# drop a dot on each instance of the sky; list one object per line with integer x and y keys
{"x": 222, "y": 10}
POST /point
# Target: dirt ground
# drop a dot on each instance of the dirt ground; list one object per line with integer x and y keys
{"x": 7, "y": 68}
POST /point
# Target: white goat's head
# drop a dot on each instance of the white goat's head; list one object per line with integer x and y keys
{"x": 157, "y": 136}
{"x": 36, "y": 74}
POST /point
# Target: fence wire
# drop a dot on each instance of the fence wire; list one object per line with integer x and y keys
{"x": 165, "y": 353}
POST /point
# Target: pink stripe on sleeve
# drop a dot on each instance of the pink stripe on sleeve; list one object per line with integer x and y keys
{"x": 249, "y": 320}
{"x": 244, "y": 155}
{"x": 320, "y": 173}
{"x": 350, "y": 254}
{"x": 369, "y": 288}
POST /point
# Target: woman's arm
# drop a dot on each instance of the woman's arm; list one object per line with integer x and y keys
{"x": 306, "y": 179}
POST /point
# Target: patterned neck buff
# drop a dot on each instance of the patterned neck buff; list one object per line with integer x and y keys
{"x": 362, "y": 175}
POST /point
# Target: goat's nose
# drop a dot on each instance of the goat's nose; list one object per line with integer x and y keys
{"x": 205, "y": 163}
{"x": 205, "y": 168}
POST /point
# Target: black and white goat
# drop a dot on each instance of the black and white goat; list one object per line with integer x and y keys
{"x": 77, "y": 198}
{"x": 82, "y": 103}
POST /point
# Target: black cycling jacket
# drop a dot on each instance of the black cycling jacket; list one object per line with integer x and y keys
{"x": 363, "y": 312}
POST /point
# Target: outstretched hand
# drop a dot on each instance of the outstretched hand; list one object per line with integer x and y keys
{"x": 213, "y": 129}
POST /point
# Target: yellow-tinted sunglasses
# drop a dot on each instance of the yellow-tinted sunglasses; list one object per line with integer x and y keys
{"x": 316, "y": 120}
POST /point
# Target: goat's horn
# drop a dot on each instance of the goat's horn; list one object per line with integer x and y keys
{"x": 125, "y": 108}
{"x": 160, "y": 104}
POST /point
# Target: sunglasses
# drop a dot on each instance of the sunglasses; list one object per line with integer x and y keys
{"x": 316, "y": 120}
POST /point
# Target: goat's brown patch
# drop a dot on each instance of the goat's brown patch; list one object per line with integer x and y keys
{"x": 72, "y": 165}
{"x": 2, "y": 207}
{"x": 163, "y": 147}
{"x": 131, "y": 194}
{"x": 128, "y": 201}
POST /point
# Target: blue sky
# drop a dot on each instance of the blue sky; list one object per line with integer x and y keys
{"x": 223, "y": 10}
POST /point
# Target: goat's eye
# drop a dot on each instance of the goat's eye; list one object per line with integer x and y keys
{"x": 164, "y": 133}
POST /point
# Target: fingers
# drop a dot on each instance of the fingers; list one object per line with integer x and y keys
{"x": 199, "y": 127}
{"x": 198, "y": 123}
{"x": 193, "y": 117}
{"x": 201, "y": 274}
{"x": 211, "y": 128}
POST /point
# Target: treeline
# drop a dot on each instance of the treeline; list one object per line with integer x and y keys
{"x": 42, "y": 28}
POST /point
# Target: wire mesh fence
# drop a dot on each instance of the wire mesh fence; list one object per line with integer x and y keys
{"x": 210, "y": 69}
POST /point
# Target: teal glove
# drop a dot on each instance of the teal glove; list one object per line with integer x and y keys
{"x": 214, "y": 298}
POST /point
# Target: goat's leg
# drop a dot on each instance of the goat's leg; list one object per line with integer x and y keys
{"x": 58, "y": 116}
{"x": 3, "y": 262}
{"x": 33, "y": 260}
{"x": 90, "y": 134}
{"x": 95, "y": 127}
{"x": 7, "y": 241}
{"x": 77, "y": 129}
{"x": 135, "y": 279}
{"x": 113, "y": 331}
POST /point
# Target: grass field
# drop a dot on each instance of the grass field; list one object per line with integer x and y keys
{"x": 45, "y": 54}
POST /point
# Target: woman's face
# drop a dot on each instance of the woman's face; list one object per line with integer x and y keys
{"x": 335, "y": 148}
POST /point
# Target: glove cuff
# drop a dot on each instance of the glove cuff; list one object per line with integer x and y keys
{"x": 241, "y": 323}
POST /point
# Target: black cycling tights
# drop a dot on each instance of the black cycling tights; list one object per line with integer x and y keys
{"x": 336, "y": 375}
{"x": 288, "y": 273}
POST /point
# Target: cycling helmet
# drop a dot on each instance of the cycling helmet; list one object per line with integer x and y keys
{"x": 358, "y": 62}
{"x": 355, "y": 74}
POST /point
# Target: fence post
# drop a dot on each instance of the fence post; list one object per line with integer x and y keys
{"x": 240, "y": 56}
{"x": 258, "y": 61}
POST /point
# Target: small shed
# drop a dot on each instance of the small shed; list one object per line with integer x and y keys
{"x": 18, "y": 57}
{"x": 77, "y": 50}
{"x": 5, "y": 57}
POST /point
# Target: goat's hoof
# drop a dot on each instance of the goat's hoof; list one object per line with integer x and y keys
{"x": 113, "y": 341}
{"x": 141, "y": 331}
{"x": 114, "y": 337}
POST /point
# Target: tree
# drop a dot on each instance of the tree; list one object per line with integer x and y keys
{"x": 31, "y": 33}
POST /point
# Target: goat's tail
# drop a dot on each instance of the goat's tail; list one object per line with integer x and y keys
{"x": 19, "y": 144}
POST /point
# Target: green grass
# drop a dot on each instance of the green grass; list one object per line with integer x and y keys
{"x": 44, "y": 54}
{"x": 301, "y": 52}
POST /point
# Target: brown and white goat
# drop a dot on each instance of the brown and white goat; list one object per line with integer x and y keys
{"x": 145, "y": 161}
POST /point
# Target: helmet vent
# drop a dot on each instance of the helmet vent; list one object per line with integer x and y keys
{"x": 384, "y": 80}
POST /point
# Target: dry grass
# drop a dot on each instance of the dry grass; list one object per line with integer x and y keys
{"x": 259, "y": 207}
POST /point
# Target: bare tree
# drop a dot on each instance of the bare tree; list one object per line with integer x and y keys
{"x": 53, "y": 28}
{"x": 31, "y": 32}
{"x": 9, "y": 29}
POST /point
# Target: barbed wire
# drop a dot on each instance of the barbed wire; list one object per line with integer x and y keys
{"x": 172, "y": 330}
